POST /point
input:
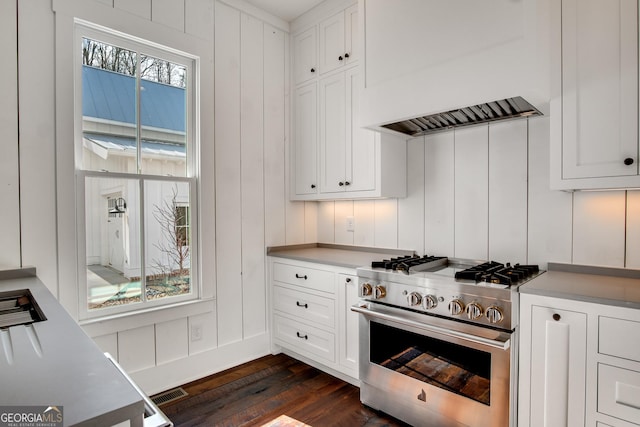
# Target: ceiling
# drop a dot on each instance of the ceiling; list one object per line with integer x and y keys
{"x": 285, "y": 9}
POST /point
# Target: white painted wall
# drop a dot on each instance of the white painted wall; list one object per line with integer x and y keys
{"x": 243, "y": 200}
{"x": 483, "y": 193}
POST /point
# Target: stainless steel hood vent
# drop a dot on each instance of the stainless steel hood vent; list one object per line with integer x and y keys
{"x": 503, "y": 109}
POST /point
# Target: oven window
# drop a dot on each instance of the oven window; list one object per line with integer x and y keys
{"x": 452, "y": 367}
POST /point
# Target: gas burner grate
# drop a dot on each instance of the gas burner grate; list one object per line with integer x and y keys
{"x": 411, "y": 263}
{"x": 494, "y": 272}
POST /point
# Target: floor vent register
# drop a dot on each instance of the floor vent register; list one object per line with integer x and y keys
{"x": 169, "y": 396}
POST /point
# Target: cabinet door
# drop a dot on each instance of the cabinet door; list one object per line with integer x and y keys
{"x": 360, "y": 144}
{"x": 306, "y": 141}
{"x": 558, "y": 362}
{"x": 349, "y": 335}
{"x": 599, "y": 88}
{"x": 305, "y": 55}
{"x": 332, "y": 43}
{"x": 332, "y": 134}
{"x": 351, "y": 39}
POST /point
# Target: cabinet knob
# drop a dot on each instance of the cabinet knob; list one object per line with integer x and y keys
{"x": 347, "y": 183}
{"x": 628, "y": 161}
{"x": 313, "y": 70}
{"x": 340, "y": 58}
{"x": 556, "y": 317}
{"x": 346, "y": 55}
{"x": 313, "y": 186}
{"x": 348, "y": 280}
{"x": 341, "y": 183}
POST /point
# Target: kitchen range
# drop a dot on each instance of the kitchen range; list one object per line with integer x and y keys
{"x": 439, "y": 339}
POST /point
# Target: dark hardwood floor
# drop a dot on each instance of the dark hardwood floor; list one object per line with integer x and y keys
{"x": 257, "y": 392}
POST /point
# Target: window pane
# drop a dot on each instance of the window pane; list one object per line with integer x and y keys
{"x": 108, "y": 107}
{"x": 163, "y": 106}
{"x": 113, "y": 241}
{"x": 167, "y": 239}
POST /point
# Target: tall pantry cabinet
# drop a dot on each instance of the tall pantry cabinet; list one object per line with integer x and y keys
{"x": 332, "y": 156}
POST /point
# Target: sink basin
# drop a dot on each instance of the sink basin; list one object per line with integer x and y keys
{"x": 19, "y": 308}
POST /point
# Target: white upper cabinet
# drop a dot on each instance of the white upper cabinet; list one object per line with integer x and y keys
{"x": 594, "y": 106}
{"x": 333, "y": 156}
{"x": 338, "y": 40}
{"x": 305, "y": 57}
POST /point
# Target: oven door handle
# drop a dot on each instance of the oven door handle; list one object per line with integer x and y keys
{"x": 500, "y": 344}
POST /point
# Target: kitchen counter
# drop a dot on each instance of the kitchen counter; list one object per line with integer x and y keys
{"x": 336, "y": 255}
{"x": 603, "y": 285}
{"x": 54, "y": 363}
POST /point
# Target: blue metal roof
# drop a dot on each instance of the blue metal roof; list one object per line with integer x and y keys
{"x": 111, "y": 96}
{"x": 125, "y": 144}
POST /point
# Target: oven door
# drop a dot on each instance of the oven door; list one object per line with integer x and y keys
{"x": 431, "y": 371}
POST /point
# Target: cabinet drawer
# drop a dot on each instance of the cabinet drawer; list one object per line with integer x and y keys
{"x": 312, "y": 308}
{"x": 619, "y": 393}
{"x": 613, "y": 338}
{"x": 303, "y": 276}
{"x": 304, "y": 338}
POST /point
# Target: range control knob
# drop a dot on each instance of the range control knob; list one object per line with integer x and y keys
{"x": 494, "y": 314}
{"x": 366, "y": 290}
{"x": 456, "y": 307}
{"x": 414, "y": 298}
{"x": 379, "y": 292}
{"x": 429, "y": 302}
{"x": 474, "y": 311}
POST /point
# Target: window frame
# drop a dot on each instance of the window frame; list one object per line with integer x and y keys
{"x": 85, "y": 29}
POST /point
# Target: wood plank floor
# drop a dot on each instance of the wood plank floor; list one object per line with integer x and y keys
{"x": 257, "y": 392}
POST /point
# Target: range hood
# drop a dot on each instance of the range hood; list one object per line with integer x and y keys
{"x": 502, "y": 109}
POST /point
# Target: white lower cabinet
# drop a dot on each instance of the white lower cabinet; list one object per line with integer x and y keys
{"x": 579, "y": 364}
{"x": 311, "y": 316}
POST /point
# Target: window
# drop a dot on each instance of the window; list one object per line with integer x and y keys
{"x": 137, "y": 171}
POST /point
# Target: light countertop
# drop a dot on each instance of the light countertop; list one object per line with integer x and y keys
{"x": 336, "y": 255}
{"x": 603, "y": 285}
{"x": 54, "y": 363}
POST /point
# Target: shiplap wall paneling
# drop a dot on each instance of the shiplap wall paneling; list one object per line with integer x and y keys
{"x": 274, "y": 136}
{"x": 9, "y": 179}
{"x": 37, "y": 141}
{"x": 326, "y": 222}
{"x": 439, "y": 194}
{"x": 108, "y": 343}
{"x": 386, "y": 223}
{"x": 364, "y": 223}
{"x": 471, "y": 192}
{"x": 172, "y": 340}
{"x": 508, "y": 191}
{"x": 252, "y": 177}
{"x": 228, "y": 179}
{"x": 137, "y": 349}
{"x": 169, "y": 13}
{"x": 207, "y": 323}
{"x": 108, "y": 3}
{"x": 633, "y": 229}
{"x": 599, "y": 228}
{"x": 198, "y": 17}
{"x": 344, "y": 209}
{"x": 137, "y": 7}
{"x": 310, "y": 222}
{"x": 550, "y": 212}
{"x": 411, "y": 209}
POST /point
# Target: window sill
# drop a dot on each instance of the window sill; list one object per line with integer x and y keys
{"x": 98, "y": 326}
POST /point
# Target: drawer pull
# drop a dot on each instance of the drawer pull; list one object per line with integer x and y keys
{"x": 305, "y": 305}
{"x": 302, "y": 336}
{"x": 556, "y": 317}
{"x": 301, "y": 277}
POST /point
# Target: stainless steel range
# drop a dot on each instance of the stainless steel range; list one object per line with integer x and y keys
{"x": 438, "y": 339}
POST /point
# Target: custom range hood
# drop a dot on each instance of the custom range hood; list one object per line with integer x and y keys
{"x": 502, "y": 109}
